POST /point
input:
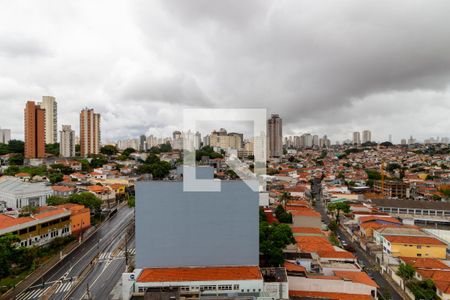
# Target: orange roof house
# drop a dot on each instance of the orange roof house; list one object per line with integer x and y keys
{"x": 200, "y": 274}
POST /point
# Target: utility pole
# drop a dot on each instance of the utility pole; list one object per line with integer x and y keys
{"x": 126, "y": 251}
{"x": 88, "y": 292}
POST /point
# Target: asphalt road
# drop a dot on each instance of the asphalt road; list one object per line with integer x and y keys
{"x": 62, "y": 277}
{"x": 362, "y": 257}
{"x": 104, "y": 275}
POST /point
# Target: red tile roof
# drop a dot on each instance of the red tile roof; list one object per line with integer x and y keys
{"x": 199, "y": 274}
{"x": 329, "y": 296}
{"x": 307, "y": 212}
{"x": 8, "y": 221}
{"x": 294, "y": 267}
{"x": 434, "y": 274}
{"x": 307, "y": 230}
{"x": 425, "y": 263}
{"x": 310, "y": 244}
{"x": 359, "y": 277}
{"x": 336, "y": 254}
{"x": 423, "y": 240}
{"x": 379, "y": 218}
{"x": 62, "y": 188}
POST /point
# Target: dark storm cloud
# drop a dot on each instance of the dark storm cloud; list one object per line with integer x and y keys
{"x": 324, "y": 66}
{"x": 304, "y": 58}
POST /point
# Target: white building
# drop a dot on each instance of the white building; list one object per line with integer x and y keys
{"x": 67, "y": 143}
{"x": 226, "y": 281}
{"x": 50, "y": 106}
{"x": 356, "y": 138}
{"x": 5, "y": 136}
{"x": 366, "y": 136}
{"x": 15, "y": 193}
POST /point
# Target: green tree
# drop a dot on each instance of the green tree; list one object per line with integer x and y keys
{"x": 85, "y": 166}
{"x": 16, "y": 160}
{"x": 284, "y": 198}
{"x": 152, "y": 158}
{"x": 406, "y": 271}
{"x": 12, "y": 170}
{"x": 66, "y": 170}
{"x": 55, "y": 177}
{"x": 273, "y": 239}
{"x": 131, "y": 201}
{"x": 16, "y": 146}
{"x": 160, "y": 169}
{"x": 128, "y": 151}
{"x": 108, "y": 150}
{"x": 4, "y": 149}
{"x": 144, "y": 169}
{"x": 7, "y": 253}
{"x": 87, "y": 199}
{"x": 165, "y": 147}
{"x": 56, "y": 200}
{"x": 282, "y": 215}
{"x": 98, "y": 161}
{"x": 337, "y": 207}
{"x": 333, "y": 225}
{"x": 52, "y": 149}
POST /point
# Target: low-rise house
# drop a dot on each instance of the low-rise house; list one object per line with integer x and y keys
{"x": 414, "y": 246}
{"x": 200, "y": 281}
{"x": 343, "y": 285}
{"x": 306, "y": 217}
{"x": 378, "y": 233}
{"x": 37, "y": 229}
{"x": 62, "y": 190}
{"x": 80, "y": 217}
{"x": 104, "y": 193}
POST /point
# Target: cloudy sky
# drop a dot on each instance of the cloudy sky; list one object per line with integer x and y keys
{"x": 327, "y": 67}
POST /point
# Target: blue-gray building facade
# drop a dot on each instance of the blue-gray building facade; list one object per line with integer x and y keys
{"x": 176, "y": 228}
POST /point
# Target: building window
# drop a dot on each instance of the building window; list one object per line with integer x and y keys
{"x": 419, "y": 247}
{"x": 419, "y": 255}
{"x": 236, "y": 287}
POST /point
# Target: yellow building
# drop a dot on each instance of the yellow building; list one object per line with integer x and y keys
{"x": 37, "y": 229}
{"x": 414, "y": 246}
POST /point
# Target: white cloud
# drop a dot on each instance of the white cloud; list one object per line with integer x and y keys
{"x": 327, "y": 67}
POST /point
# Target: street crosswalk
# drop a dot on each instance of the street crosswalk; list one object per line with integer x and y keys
{"x": 131, "y": 251}
{"x": 32, "y": 294}
{"x": 105, "y": 255}
{"x": 36, "y": 293}
{"x": 109, "y": 256}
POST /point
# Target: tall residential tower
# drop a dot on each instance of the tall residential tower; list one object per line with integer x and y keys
{"x": 50, "y": 106}
{"x": 89, "y": 132}
{"x": 366, "y": 136}
{"x": 275, "y": 136}
{"x": 34, "y": 131}
{"x": 67, "y": 144}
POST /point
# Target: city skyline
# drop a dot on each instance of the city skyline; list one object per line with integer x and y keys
{"x": 138, "y": 79}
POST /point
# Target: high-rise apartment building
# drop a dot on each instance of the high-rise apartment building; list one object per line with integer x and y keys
{"x": 366, "y": 136}
{"x": 50, "y": 106}
{"x": 142, "y": 143}
{"x": 34, "y": 130}
{"x": 67, "y": 142}
{"x": 225, "y": 140}
{"x": 177, "y": 140}
{"x": 275, "y": 136}
{"x": 356, "y": 138}
{"x": 5, "y": 136}
{"x": 89, "y": 132}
